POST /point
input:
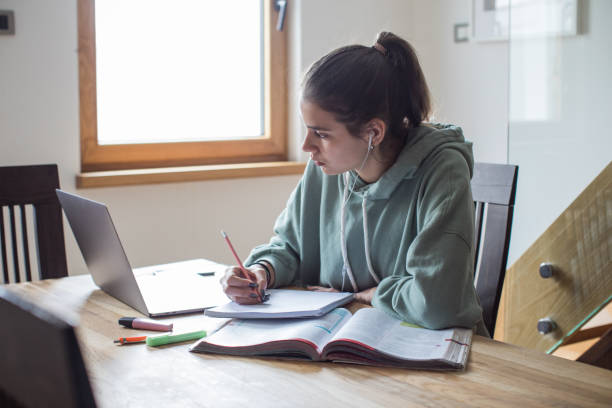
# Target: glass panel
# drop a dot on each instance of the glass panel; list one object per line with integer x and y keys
{"x": 560, "y": 87}
{"x": 185, "y": 70}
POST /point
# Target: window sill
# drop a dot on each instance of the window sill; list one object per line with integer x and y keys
{"x": 190, "y": 173}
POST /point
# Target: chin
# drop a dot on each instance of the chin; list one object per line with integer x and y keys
{"x": 328, "y": 171}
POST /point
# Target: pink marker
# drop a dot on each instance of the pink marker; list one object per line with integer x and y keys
{"x": 145, "y": 324}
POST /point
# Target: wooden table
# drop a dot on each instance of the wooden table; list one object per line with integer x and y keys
{"x": 497, "y": 375}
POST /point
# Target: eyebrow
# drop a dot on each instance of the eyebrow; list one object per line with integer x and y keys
{"x": 318, "y": 128}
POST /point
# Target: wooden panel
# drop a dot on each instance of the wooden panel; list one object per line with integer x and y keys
{"x": 600, "y": 353}
{"x": 191, "y": 173}
{"x": 579, "y": 245}
{"x": 15, "y": 190}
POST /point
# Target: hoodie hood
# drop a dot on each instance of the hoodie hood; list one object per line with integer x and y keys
{"x": 424, "y": 143}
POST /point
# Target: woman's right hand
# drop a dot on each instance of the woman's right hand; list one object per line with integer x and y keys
{"x": 242, "y": 290}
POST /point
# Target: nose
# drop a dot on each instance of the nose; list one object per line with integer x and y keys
{"x": 308, "y": 146}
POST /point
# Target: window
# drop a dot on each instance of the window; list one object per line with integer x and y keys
{"x": 181, "y": 83}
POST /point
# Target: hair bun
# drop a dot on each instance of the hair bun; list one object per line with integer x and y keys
{"x": 380, "y": 48}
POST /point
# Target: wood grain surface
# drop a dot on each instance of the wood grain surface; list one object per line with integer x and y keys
{"x": 498, "y": 374}
{"x": 579, "y": 245}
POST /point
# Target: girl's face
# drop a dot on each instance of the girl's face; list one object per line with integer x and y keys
{"x": 329, "y": 143}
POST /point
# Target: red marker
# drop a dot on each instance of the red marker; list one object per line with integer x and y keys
{"x": 130, "y": 340}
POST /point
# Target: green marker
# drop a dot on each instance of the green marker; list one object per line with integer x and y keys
{"x": 162, "y": 339}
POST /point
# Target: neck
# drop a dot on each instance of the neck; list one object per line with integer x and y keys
{"x": 375, "y": 166}
{"x": 373, "y": 170}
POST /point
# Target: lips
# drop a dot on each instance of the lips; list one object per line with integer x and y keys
{"x": 318, "y": 163}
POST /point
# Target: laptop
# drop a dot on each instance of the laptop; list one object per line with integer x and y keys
{"x": 159, "y": 290}
{"x": 42, "y": 365}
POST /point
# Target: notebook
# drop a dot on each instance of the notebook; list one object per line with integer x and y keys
{"x": 368, "y": 337}
{"x": 284, "y": 303}
{"x": 159, "y": 290}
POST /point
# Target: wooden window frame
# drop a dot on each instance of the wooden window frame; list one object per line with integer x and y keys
{"x": 271, "y": 146}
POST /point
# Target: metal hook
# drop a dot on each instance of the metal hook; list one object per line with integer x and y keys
{"x": 281, "y": 7}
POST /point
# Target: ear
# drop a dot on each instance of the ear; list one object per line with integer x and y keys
{"x": 377, "y": 129}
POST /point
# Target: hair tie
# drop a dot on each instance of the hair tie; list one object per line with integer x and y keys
{"x": 380, "y": 48}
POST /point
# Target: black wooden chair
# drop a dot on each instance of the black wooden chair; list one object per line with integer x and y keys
{"x": 42, "y": 365}
{"x": 493, "y": 190}
{"x": 31, "y": 185}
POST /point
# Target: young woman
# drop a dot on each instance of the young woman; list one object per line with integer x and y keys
{"x": 384, "y": 208}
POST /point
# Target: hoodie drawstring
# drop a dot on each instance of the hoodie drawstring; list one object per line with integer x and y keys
{"x": 347, "y": 266}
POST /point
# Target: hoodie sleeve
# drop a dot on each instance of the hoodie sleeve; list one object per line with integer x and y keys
{"x": 436, "y": 288}
{"x": 293, "y": 251}
{"x": 283, "y": 250}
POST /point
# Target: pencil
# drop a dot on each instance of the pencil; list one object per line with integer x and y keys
{"x": 130, "y": 340}
{"x": 242, "y": 268}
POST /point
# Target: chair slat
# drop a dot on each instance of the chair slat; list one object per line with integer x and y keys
{"x": 14, "y": 241}
{"x": 24, "y": 238}
{"x": 35, "y": 185}
{"x": 51, "y": 250}
{"x": 481, "y": 237}
{"x": 492, "y": 261}
{"x": 3, "y": 244}
{"x": 478, "y": 209}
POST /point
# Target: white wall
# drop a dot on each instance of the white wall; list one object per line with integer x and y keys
{"x": 468, "y": 81}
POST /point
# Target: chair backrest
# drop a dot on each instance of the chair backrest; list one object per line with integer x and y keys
{"x": 41, "y": 363}
{"x": 21, "y": 186}
{"x": 493, "y": 190}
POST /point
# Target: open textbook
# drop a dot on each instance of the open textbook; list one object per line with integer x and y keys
{"x": 368, "y": 337}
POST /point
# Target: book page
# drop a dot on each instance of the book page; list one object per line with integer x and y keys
{"x": 388, "y": 335}
{"x": 253, "y": 332}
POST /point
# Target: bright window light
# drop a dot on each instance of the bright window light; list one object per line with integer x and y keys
{"x": 184, "y": 70}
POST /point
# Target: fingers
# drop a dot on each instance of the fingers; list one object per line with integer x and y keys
{"x": 242, "y": 290}
{"x": 253, "y": 299}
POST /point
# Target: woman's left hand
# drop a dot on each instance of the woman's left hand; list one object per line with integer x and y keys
{"x": 365, "y": 296}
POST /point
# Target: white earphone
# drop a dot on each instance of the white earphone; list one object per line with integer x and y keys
{"x": 370, "y": 147}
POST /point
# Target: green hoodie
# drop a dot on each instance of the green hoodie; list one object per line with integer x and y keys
{"x": 420, "y": 225}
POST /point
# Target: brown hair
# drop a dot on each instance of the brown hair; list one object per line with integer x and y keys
{"x": 358, "y": 83}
